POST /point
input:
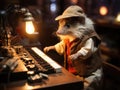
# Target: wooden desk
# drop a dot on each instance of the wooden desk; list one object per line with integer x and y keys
{"x": 59, "y": 81}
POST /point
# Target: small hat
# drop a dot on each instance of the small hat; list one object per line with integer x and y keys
{"x": 71, "y": 11}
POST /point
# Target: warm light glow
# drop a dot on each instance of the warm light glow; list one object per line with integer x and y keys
{"x": 29, "y": 27}
{"x": 103, "y": 10}
{"x": 118, "y": 17}
{"x": 74, "y": 1}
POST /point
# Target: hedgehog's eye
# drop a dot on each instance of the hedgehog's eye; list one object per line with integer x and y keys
{"x": 67, "y": 25}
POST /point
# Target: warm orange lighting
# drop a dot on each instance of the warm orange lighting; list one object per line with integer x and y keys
{"x": 103, "y": 10}
{"x": 118, "y": 18}
{"x": 29, "y": 27}
{"x": 74, "y": 1}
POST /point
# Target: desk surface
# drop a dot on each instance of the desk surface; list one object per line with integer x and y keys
{"x": 57, "y": 81}
{"x": 64, "y": 80}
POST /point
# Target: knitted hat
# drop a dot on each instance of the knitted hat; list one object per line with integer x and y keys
{"x": 71, "y": 11}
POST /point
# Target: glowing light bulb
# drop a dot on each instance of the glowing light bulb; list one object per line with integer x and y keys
{"x": 29, "y": 27}
{"x": 103, "y": 10}
{"x": 118, "y": 17}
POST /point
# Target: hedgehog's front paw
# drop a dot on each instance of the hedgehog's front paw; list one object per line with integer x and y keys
{"x": 46, "y": 49}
